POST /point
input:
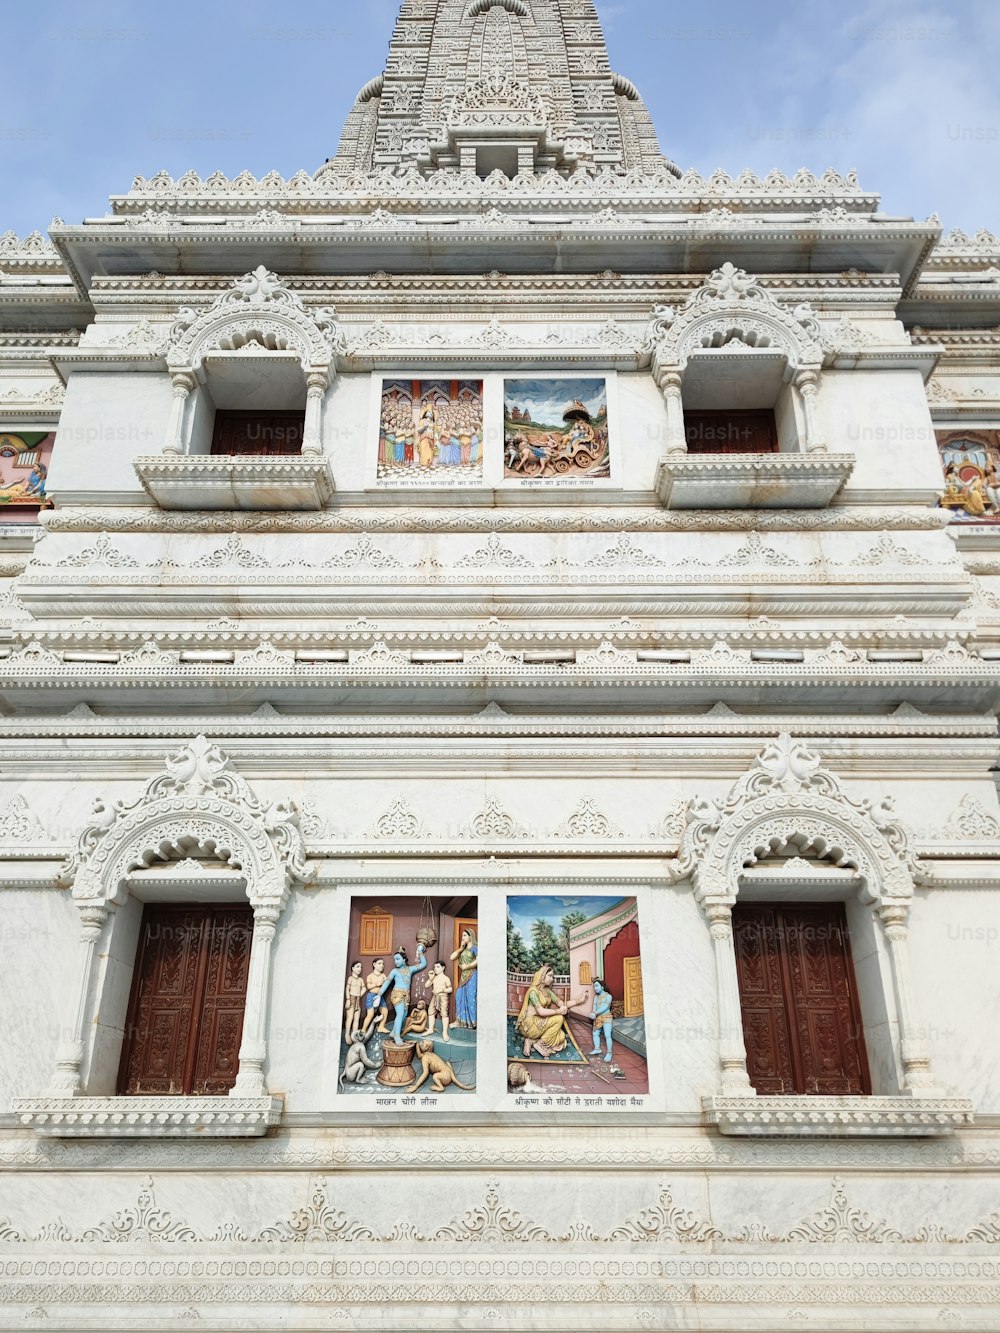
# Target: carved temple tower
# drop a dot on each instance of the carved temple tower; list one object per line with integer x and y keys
{"x": 498, "y": 729}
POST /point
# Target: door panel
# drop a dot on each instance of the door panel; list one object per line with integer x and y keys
{"x": 633, "y": 987}
{"x": 188, "y": 996}
{"x": 801, "y": 1020}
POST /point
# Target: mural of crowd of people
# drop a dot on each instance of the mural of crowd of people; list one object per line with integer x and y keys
{"x": 556, "y": 428}
{"x": 411, "y": 997}
{"x": 24, "y": 469}
{"x": 431, "y": 431}
{"x": 574, "y": 996}
{"x": 971, "y": 463}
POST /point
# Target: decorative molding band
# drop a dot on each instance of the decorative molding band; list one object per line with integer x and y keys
{"x": 838, "y": 1117}
{"x": 490, "y": 519}
{"x": 150, "y": 1117}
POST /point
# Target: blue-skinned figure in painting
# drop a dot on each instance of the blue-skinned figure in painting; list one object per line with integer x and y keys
{"x": 602, "y": 1020}
{"x": 400, "y": 979}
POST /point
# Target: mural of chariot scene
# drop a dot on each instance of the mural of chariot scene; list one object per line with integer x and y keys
{"x": 574, "y": 996}
{"x": 24, "y": 467}
{"x": 556, "y": 428}
{"x": 411, "y": 998}
{"x": 971, "y": 463}
{"x": 431, "y": 432}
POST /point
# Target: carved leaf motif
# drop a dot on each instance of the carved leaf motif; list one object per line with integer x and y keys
{"x": 103, "y": 553}
{"x": 494, "y": 654}
{"x": 973, "y": 821}
{"x": 666, "y": 1221}
{"x": 587, "y": 821}
{"x": 319, "y": 1221}
{"x": 840, "y": 1223}
{"x": 623, "y": 553}
{"x": 144, "y": 1222}
{"x": 234, "y": 555}
{"x": 493, "y": 823}
{"x": 399, "y": 823}
{"x": 19, "y": 824}
{"x": 495, "y": 554}
{"x": 492, "y": 1222}
{"x": 607, "y": 655}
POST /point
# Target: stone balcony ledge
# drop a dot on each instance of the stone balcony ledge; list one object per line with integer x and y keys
{"x": 751, "y": 481}
{"x": 838, "y": 1117}
{"x": 150, "y": 1117}
{"x": 222, "y": 481}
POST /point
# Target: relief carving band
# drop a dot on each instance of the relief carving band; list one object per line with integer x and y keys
{"x": 556, "y": 428}
{"x": 431, "y": 432}
{"x": 410, "y": 997}
{"x": 971, "y": 463}
{"x": 575, "y": 1012}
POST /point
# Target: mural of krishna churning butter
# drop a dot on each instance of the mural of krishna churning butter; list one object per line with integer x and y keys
{"x": 575, "y": 1019}
{"x": 411, "y": 998}
{"x": 24, "y": 468}
{"x": 971, "y": 463}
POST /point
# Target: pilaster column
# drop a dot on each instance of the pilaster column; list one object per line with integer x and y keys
{"x": 732, "y": 1049}
{"x": 253, "y": 1051}
{"x": 912, "y": 1045}
{"x": 317, "y": 383}
{"x": 670, "y": 386}
{"x": 183, "y": 388}
{"x": 807, "y": 382}
{"x": 66, "y": 1081}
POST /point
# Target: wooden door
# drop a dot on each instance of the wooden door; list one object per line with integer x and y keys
{"x": 731, "y": 432}
{"x": 185, "y": 1020}
{"x": 258, "y": 433}
{"x": 801, "y": 1021}
{"x": 632, "y": 973}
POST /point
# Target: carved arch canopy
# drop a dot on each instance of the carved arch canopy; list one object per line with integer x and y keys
{"x": 788, "y": 802}
{"x": 729, "y": 311}
{"x": 198, "y": 807}
{"x": 258, "y": 314}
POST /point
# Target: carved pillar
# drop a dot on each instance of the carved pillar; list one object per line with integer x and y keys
{"x": 184, "y": 384}
{"x": 670, "y": 383}
{"x": 317, "y": 383}
{"x": 912, "y": 1045}
{"x": 253, "y": 1051}
{"x": 807, "y": 382}
{"x": 66, "y": 1081}
{"x": 732, "y": 1049}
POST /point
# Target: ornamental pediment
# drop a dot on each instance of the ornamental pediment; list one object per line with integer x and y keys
{"x": 498, "y": 99}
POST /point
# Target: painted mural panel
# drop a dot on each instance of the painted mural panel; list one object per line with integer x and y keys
{"x": 411, "y": 998}
{"x": 24, "y": 469}
{"x": 575, "y": 1009}
{"x": 431, "y": 433}
{"x": 971, "y": 463}
{"x": 556, "y": 428}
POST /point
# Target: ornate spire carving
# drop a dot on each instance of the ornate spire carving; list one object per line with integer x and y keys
{"x": 519, "y": 86}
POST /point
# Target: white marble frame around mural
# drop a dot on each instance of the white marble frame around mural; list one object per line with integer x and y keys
{"x": 493, "y": 380}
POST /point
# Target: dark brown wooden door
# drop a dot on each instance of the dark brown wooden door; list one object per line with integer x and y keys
{"x": 258, "y": 433}
{"x": 731, "y": 432}
{"x": 801, "y": 1021}
{"x": 185, "y": 1020}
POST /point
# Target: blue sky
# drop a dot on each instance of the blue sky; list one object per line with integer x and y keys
{"x": 906, "y": 92}
{"x": 524, "y": 912}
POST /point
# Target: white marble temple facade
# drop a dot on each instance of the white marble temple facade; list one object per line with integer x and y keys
{"x": 690, "y": 682}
